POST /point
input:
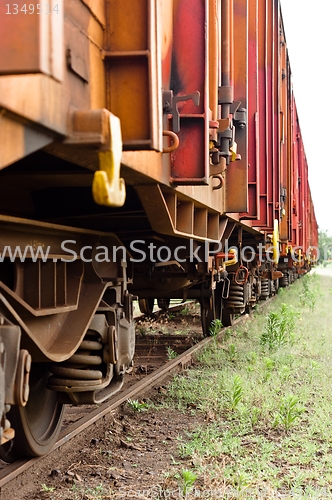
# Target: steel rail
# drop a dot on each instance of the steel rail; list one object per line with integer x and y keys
{"x": 157, "y": 312}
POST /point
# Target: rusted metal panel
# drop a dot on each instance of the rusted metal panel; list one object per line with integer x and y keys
{"x": 133, "y": 71}
{"x": 214, "y": 60}
{"x": 27, "y": 140}
{"x": 97, "y": 10}
{"x": 179, "y": 215}
{"x": 284, "y": 124}
{"x": 312, "y": 228}
{"x": 32, "y": 38}
{"x": 275, "y": 98}
{"x": 301, "y": 192}
{"x": 189, "y": 73}
{"x": 299, "y": 181}
{"x": 263, "y": 114}
{"x": 253, "y": 117}
{"x": 237, "y": 171}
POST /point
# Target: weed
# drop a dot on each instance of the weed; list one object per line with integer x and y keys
{"x": 285, "y": 373}
{"x": 241, "y": 481}
{"x": 185, "y": 311}
{"x": 138, "y": 406}
{"x": 279, "y": 328}
{"x": 186, "y": 479}
{"x": 227, "y": 333}
{"x": 96, "y": 493}
{"x": 232, "y": 352}
{"x": 251, "y": 359}
{"x": 271, "y": 334}
{"x": 289, "y": 412}
{"x": 215, "y": 327}
{"x": 312, "y": 370}
{"x": 254, "y": 415}
{"x": 236, "y": 392}
{"x": 269, "y": 365}
{"x": 310, "y": 291}
{"x": 47, "y": 489}
{"x": 170, "y": 353}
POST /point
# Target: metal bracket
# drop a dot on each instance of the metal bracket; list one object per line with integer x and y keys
{"x": 225, "y": 95}
{"x": 170, "y": 105}
{"x": 110, "y": 354}
{"x": 226, "y": 134}
{"x": 225, "y": 289}
{"x": 10, "y": 338}
{"x": 240, "y": 118}
{"x": 99, "y": 127}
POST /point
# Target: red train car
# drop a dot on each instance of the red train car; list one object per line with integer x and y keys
{"x": 139, "y": 141}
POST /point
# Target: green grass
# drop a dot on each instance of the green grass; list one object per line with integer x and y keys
{"x": 170, "y": 353}
{"x": 136, "y": 405}
{"x": 268, "y": 389}
{"x": 186, "y": 480}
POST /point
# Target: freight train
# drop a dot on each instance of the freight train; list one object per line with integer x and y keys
{"x": 150, "y": 149}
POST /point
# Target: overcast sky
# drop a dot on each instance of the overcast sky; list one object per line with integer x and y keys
{"x": 308, "y": 31}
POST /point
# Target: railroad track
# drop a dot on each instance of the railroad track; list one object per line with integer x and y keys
{"x": 151, "y": 366}
{"x": 175, "y": 305}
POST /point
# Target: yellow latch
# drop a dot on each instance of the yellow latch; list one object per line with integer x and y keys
{"x": 275, "y": 242}
{"x": 233, "y": 150}
{"x": 230, "y": 262}
{"x": 234, "y": 155}
{"x": 108, "y": 188}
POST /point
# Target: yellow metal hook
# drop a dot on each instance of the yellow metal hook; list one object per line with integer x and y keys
{"x": 107, "y": 187}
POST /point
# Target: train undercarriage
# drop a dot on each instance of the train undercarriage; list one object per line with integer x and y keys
{"x": 66, "y": 303}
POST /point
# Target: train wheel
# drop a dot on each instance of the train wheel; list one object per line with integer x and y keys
{"x": 146, "y": 306}
{"x": 37, "y": 425}
{"x": 227, "y": 317}
{"x": 163, "y": 304}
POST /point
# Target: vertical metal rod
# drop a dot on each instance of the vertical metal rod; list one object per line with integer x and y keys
{"x": 39, "y": 285}
{"x": 226, "y": 43}
{"x": 213, "y": 57}
{"x": 55, "y": 300}
{"x": 226, "y": 55}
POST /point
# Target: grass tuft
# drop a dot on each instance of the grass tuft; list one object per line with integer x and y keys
{"x": 138, "y": 406}
{"x": 170, "y": 353}
{"x": 186, "y": 479}
{"x": 289, "y": 412}
{"x": 236, "y": 392}
{"x": 279, "y": 328}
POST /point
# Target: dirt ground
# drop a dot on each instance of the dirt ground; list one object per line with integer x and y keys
{"x": 127, "y": 455}
{"x": 130, "y": 454}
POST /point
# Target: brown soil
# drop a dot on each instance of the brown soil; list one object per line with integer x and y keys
{"x": 129, "y": 454}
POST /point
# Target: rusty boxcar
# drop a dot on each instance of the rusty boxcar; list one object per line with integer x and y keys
{"x": 148, "y": 148}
